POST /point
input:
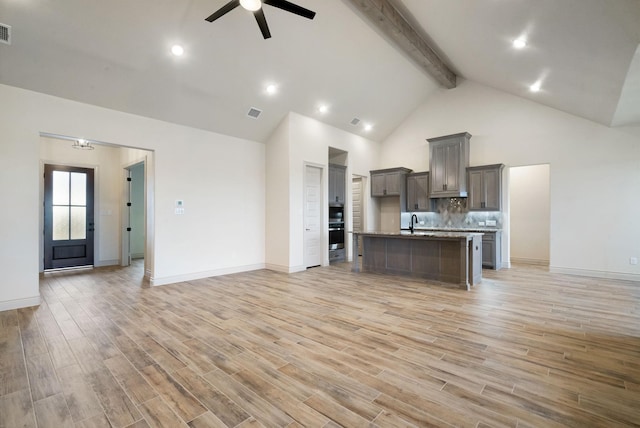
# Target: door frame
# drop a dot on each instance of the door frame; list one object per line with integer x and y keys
{"x": 96, "y": 198}
{"x": 125, "y": 213}
{"x": 88, "y": 260}
{"x": 324, "y": 214}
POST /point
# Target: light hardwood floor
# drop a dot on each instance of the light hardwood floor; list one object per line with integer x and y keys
{"x": 325, "y": 347}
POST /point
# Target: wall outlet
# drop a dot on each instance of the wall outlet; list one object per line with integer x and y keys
{"x": 421, "y": 222}
{"x": 633, "y": 260}
{"x": 481, "y": 223}
{"x": 491, "y": 222}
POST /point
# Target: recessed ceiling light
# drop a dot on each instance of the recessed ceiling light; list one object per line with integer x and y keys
{"x": 520, "y": 43}
{"x": 271, "y": 89}
{"x": 323, "y": 108}
{"x": 535, "y": 87}
{"x": 368, "y": 127}
{"x": 177, "y": 50}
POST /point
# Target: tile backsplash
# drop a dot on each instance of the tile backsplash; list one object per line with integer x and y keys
{"x": 452, "y": 212}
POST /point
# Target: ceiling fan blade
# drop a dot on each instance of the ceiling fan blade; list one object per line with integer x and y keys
{"x": 290, "y": 7}
{"x": 262, "y": 23}
{"x": 223, "y": 10}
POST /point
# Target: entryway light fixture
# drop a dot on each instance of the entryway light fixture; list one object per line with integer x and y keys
{"x": 82, "y": 145}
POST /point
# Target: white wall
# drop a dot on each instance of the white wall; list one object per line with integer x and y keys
{"x": 595, "y": 170}
{"x": 529, "y": 214}
{"x": 277, "y": 200}
{"x": 216, "y": 175}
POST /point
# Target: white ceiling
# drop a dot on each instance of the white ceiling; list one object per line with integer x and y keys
{"x": 115, "y": 54}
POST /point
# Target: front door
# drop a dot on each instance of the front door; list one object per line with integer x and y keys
{"x": 68, "y": 216}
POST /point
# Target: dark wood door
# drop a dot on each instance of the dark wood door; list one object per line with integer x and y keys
{"x": 68, "y": 216}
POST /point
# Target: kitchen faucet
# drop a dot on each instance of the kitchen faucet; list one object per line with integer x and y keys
{"x": 412, "y": 223}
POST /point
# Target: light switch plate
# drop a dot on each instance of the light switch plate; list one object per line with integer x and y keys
{"x": 491, "y": 222}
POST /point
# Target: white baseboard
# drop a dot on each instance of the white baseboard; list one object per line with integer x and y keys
{"x": 284, "y": 269}
{"x": 19, "y": 303}
{"x": 207, "y": 274}
{"x": 103, "y": 263}
{"x": 526, "y": 261}
{"x": 595, "y": 273}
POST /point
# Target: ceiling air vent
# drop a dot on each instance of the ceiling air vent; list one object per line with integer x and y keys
{"x": 355, "y": 121}
{"x": 254, "y": 113}
{"x": 5, "y": 34}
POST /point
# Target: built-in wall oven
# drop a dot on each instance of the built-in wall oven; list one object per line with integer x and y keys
{"x": 336, "y": 228}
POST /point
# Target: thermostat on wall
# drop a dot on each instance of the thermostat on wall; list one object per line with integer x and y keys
{"x": 179, "y": 206}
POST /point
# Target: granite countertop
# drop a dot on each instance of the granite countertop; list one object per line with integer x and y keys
{"x": 456, "y": 229}
{"x": 423, "y": 234}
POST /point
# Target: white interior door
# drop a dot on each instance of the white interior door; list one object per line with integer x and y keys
{"x": 312, "y": 216}
{"x": 358, "y": 208}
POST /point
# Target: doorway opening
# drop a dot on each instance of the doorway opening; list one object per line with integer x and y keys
{"x": 134, "y": 215}
{"x": 107, "y": 163}
{"x": 529, "y": 214}
{"x": 358, "y": 183}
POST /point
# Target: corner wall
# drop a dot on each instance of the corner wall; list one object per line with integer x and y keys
{"x": 299, "y": 140}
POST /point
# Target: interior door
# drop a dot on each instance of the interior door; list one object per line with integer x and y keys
{"x": 312, "y": 217}
{"x": 68, "y": 216}
{"x": 358, "y": 209}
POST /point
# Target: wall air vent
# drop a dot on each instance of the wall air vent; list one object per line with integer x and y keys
{"x": 5, "y": 34}
{"x": 254, "y": 113}
{"x": 355, "y": 121}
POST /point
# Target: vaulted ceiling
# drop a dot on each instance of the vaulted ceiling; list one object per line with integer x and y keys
{"x": 116, "y": 54}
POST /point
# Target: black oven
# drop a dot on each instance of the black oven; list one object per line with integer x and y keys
{"x": 336, "y": 228}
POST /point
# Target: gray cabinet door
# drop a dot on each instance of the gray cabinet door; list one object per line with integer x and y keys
{"x": 392, "y": 183}
{"x": 485, "y": 188}
{"x": 492, "y": 189}
{"x": 453, "y": 181}
{"x": 449, "y": 157}
{"x": 389, "y": 182}
{"x": 418, "y": 192}
{"x": 337, "y": 176}
{"x": 476, "y": 190}
{"x": 492, "y": 250}
{"x": 378, "y": 184}
{"x": 438, "y": 170}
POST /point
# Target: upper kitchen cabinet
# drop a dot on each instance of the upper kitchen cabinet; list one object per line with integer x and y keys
{"x": 337, "y": 176}
{"x": 448, "y": 162}
{"x": 485, "y": 188}
{"x": 389, "y": 182}
{"x": 418, "y": 192}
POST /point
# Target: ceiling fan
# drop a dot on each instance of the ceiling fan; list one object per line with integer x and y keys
{"x": 255, "y": 6}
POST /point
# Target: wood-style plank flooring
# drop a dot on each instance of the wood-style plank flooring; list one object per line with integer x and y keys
{"x": 322, "y": 348}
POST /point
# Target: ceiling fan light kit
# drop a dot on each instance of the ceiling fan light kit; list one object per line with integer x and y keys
{"x": 255, "y": 6}
{"x": 251, "y": 5}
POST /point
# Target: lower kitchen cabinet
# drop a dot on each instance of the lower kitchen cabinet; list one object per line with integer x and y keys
{"x": 338, "y": 255}
{"x": 492, "y": 250}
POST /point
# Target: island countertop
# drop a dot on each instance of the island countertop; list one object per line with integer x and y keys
{"x": 421, "y": 234}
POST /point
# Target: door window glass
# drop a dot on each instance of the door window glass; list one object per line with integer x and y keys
{"x": 69, "y": 205}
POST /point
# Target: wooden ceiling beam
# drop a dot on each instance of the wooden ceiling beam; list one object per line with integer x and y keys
{"x": 386, "y": 17}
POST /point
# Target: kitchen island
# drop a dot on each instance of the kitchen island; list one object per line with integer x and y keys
{"x": 452, "y": 257}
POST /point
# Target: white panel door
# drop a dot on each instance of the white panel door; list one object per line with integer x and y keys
{"x": 358, "y": 209}
{"x": 312, "y": 217}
